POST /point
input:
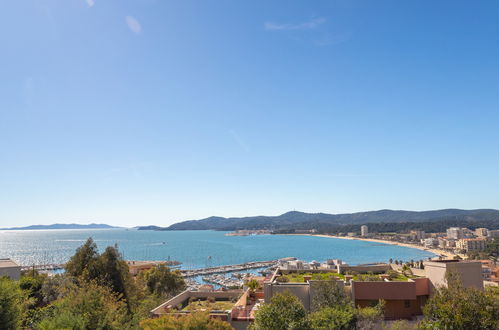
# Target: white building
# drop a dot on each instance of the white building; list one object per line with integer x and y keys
{"x": 418, "y": 234}
{"x": 10, "y": 269}
{"x": 431, "y": 242}
{"x": 481, "y": 232}
{"x": 455, "y": 233}
{"x": 493, "y": 233}
{"x": 364, "y": 231}
{"x": 471, "y": 244}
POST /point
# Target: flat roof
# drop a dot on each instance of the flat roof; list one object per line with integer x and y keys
{"x": 7, "y": 263}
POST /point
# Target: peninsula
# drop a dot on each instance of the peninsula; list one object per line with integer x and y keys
{"x": 62, "y": 226}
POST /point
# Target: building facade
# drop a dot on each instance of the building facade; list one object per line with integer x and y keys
{"x": 364, "y": 231}
{"x": 469, "y": 272}
{"x": 10, "y": 269}
{"x": 471, "y": 244}
{"x": 455, "y": 233}
{"x": 481, "y": 232}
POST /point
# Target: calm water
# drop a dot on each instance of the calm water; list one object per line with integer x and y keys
{"x": 195, "y": 249}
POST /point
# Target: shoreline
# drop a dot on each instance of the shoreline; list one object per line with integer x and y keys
{"x": 437, "y": 252}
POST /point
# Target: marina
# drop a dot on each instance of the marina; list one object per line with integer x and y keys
{"x": 228, "y": 268}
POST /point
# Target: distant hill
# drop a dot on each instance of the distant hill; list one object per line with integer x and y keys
{"x": 295, "y": 219}
{"x": 62, "y": 226}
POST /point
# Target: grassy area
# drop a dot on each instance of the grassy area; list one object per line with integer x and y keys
{"x": 401, "y": 278}
{"x": 205, "y": 305}
{"x": 299, "y": 278}
{"x": 295, "y": 277}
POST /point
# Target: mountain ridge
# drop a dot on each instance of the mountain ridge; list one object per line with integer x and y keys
{"x": 295, "y": 218}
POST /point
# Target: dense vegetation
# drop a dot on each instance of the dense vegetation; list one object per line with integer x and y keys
{"x": 195, "y": 321}
{"x": 331, "y": 309}
{"x": 452, "y": 307}
{"x": 456, "y": 307}
{"x": 381, "y": 221}
{"x": 97, "y": 291}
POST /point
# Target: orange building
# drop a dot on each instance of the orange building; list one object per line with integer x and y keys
{"x": 403, "y": 299}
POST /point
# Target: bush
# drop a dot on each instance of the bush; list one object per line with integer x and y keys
{"x": 162, "y": 281}
{"x": 283, "y": 312}
{"x": 456, "y": 307}
{"x": 328, "y": 294}
{"x": 370, "y": 317}
{"x": 282, "y": 279}
{"x": 195, "y": 321}
{"x": 88, "y": 307}
{"x": 333, "y": 318}
{"x": 10, "y": 304}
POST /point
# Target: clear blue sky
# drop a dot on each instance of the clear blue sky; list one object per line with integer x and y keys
{"x": 151, "y": 112}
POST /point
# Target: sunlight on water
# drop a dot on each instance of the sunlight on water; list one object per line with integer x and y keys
{"x": 195, "y": 249}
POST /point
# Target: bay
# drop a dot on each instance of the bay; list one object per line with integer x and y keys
{"x": 195, "y": 249}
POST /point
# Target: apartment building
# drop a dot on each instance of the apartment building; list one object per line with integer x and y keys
{"x": 481, "y": 232}
{"x": 403, "y": 299}
{"x": 455, "y": 233}
{"x": 364, "y": 230}
{"x": 493, "y": 233}
{"x": 468, "y": 271}
{"x": 418, "y": 234}
{"x": 471, "y": 244}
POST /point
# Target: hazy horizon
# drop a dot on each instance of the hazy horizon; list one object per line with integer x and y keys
{"x": 152, "y": 112}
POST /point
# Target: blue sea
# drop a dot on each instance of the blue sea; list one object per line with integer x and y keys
{"x": 195, "y": 249}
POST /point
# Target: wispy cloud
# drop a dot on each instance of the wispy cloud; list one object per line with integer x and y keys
{"x": 90, "y": 3}
{"x": 133, "y": 24}
{"x": 309, "y": 25}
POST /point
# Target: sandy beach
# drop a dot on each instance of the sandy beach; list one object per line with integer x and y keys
{"x": 435, "y": 251}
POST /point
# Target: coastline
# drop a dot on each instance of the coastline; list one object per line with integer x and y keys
{"x": 437, "y": 252}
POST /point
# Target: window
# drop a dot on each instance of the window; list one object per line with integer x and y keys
{"x": 407, "y": 303}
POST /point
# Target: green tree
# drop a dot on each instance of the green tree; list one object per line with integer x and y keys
{"x": 31, "y": 283}
{"x": 115, "y": 274}
{"x": 83, "y": 261}
{"x": 253, "y": 285}
{"x": 64, "y": 320}
{"x": 162, "y": 281}
{"x": 55, "y": 287}
{"x": 370, "y": 318}
{"x": 328, "y": 294}
{"x": 87, "y": 307}
{"x": 337, "y": 318}
{"x": 456, "y": 307}
{"x": 402, "y": 325}
{"x": 10, "y": 304}
{"x": 283, "y": 312}
{"x": 195, "y": 321}
{"x": 108, "y": 269}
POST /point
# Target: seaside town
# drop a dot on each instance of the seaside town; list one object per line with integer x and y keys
{"x": 235, "y": 293}
{"x": 455, "y": 241}
{"x": 249, "y": 165}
